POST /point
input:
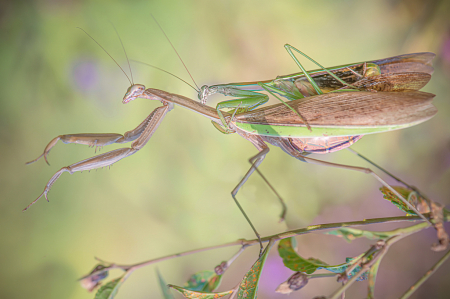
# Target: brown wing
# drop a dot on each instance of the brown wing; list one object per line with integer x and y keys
{"x": 417, "y": 63}
{"x": 395, "y": 82}
{"x": 348, "y": 109}
{"x": 414, "y": 62}
{"x": 327, "y": 83}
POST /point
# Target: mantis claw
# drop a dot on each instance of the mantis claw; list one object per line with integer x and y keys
{"x": 32, "y": 161}
{"x": 140, "y": 135}
{"x": 27, "y": 207}
{"x": 47, "y": 149}
{"x": 48, "y": 186}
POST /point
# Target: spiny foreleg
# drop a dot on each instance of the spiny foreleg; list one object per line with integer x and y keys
{"x": 142, "y": 134}
{"x": 96, "y": 140}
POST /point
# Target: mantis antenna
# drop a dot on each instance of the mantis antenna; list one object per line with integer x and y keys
{"x": 162, "y": 70}
{"x": 108, "y": 53}
{"x": 175, "y": 50}
{"x": 129, "y": 66}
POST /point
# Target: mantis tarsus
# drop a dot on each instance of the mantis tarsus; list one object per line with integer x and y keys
{"x": 337, "y": 119}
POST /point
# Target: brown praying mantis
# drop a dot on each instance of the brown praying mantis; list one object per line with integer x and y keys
{"x": 312, "y": 122}
{"x": 337, "y": 120}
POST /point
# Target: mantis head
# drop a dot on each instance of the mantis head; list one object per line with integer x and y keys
{"x": 205, "y": 92}
{"x": 133, "y": 92}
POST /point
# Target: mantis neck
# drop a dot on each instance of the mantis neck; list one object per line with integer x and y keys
{"x": 206, "y": 111}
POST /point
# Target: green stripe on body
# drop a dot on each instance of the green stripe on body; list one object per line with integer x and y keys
{"x": 322, "y": 131}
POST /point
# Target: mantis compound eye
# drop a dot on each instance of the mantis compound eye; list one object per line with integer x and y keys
{"x": 133, "y": 92}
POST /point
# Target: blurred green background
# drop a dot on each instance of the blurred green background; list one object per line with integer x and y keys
{"x": 174, "y": 195}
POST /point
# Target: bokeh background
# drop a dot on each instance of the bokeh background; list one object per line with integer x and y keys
{"x": 174, "y": 195}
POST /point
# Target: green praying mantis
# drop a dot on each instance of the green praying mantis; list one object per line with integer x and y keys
{"x": 320, "y": 123}
{"x": 403, "y": 73}
{"x": 394, "y": 74}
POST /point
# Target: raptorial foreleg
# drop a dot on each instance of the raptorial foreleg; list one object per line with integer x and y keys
{"x": 96, "y": 140}
{"x": 142, "y": 134}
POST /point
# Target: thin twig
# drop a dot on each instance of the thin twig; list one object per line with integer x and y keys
{"x": 433, "y": 269}
{"x": 276, "y": 237}
{"x": 364, "y": 268}
{"x": 378, "y": 254}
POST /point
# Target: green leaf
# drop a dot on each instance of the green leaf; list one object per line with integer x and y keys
{"x": 203, "y": 281}
{"x": 249, "y": 284}
{"x": 349, "y": 261}
{"x": 349, "y": 234}
{"x": 337, "y": 268}
{"x": 372, "y": 278}
{"x": 163, "y": 285}
{"x": 295, "y": 262}
{"x": 408, "y": 194}
{"x": 109, "y": 290}
{"x": 199, "y": 295}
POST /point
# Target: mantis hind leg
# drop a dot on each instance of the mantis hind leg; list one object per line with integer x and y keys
{"x": 371, "y": 172}
{"x": 387, "y": 172}
{"x": 304, "y": 158}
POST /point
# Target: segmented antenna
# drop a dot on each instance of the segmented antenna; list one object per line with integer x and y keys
{"x": 175, "y": 50}
{"x": 106, "y": 53}
{"x": 162, "y": 70}
{"x": 129, "y": 66}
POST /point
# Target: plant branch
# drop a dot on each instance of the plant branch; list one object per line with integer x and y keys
{"x": 276, "y": 237}
{"x": 378, "y": 251}
{"x": 433, "y": 269}
{"x": 364, "y": 268}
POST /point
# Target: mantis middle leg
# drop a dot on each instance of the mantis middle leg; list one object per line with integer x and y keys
{"x": 247, "y": 101}
{"x": 255, "y": 161}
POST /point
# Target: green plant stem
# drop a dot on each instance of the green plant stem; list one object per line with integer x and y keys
{"x": 276, "y": 237}
{"x": 365, "y": 267}
{"x": 414, "y": 287}
{"x": 322, "y": 275}
{"x": 319, "y": 227}
{"x": 379, "y": 253}
{"x": 168, "y": 257}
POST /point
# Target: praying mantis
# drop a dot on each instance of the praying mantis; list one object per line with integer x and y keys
{"x": 329, "y": 122}
{"x": 399, "y": 73}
